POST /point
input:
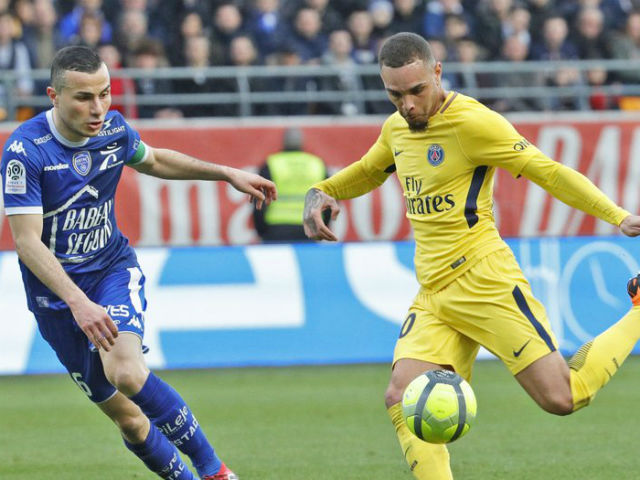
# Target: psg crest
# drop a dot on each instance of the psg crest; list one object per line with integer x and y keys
{"x": 82, "y": 163}
{"x": 435, "y": 154}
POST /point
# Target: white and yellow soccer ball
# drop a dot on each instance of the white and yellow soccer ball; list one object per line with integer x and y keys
{"x": 439, "y": 406}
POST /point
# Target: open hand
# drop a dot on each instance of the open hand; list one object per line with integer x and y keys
{"x": 260, "y": 190}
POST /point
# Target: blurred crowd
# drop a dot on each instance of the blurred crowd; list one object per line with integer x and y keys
{"x": 198, "y": 33}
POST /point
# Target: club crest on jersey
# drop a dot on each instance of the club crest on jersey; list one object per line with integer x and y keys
{"x": 82, "y": 163}
{"x": 435, "y": 154}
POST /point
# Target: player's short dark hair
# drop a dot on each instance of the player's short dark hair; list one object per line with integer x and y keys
{"x": 404, "y": 48}
{"x": 75, "y": 58}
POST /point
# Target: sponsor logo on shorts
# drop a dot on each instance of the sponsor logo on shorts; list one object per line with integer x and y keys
{"x": 516, "y": 353}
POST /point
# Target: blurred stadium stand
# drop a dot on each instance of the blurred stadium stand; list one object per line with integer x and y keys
{"x": 256, "y": 90}
{"x": 240, "y": 58}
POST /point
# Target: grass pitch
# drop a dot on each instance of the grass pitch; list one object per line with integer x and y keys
{"x": 323, "y": 423}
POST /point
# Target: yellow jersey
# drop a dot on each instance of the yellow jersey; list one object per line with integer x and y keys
{"x": 447, "y": 173}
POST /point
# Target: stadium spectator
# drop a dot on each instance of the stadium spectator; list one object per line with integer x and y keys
{"x": 555, "y": 44}
{"x": 227, "y": 24}
{"x": 244, "y": 53}
{"x": 83, "y": 300}
{"x": 149, "y": 55}
{"x": 346, "y": 79}
{"x": 268, "y": 26}
{"x": 517, "y": 25}
{"x": 70, "y": 23}
{"x": 598, "y": 99}
{"x": 455, "y": 28}
{"x": 293, "y": 171}
{"x": 197, "y": 53}
{"x": 407, "y": 17}
{"x": 381, "y": 12}
{"x": 288, "y": 56}
{"x": 133, "y": 27}
{"x": 590, "y": 38}
{"x": 539, "y": 10}
{"x": 493, "y": 18}
{"x": 626, "y": 46}
{"x": 14, "y": 58}
{"x": 307, "y": 37}
{"x": 46, "y": 37}
{"x": 365, "y": 45}
{"x": 121, "y": 87}
{"x": 329, "y": 18}
{"x": 515, "y": 50}
{"x": 89, "y": 32}
{"x": 191, "y": 25}
{"x": 468, "y": 51}
{"x": 436, "y": 13}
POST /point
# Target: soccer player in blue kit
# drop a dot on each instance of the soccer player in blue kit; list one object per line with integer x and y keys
{"x": 83, "y": 283}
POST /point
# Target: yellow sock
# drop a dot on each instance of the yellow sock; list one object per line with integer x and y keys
{"x": 427, "y": 461}
{"x": 598, "y": 360}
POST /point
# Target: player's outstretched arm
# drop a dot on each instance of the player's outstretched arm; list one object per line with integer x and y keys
{"x": 316, "y": 202}
{"x": 91, "y": 317}
{"x": 630, "y": 226}
{"x": 169, "y": 164}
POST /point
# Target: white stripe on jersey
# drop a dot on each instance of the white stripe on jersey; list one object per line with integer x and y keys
{"x": 88, "y": 188}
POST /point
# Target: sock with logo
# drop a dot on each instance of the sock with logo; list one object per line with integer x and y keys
{"x": 160, "y": 456}
{"x": 170, "y": 414}
{"x": 426, "y": 460}
{"x": 598, "y": 360}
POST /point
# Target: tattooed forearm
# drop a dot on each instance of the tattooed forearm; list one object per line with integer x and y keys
{"x": 312, "y": 201}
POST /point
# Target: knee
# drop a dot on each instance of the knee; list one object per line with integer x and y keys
{"x": 558, "y": 404}
{"x": 392, "y": 396}
{"x": 128, "y": 378}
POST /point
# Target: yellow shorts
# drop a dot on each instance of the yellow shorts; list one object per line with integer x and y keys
{"x": 490, "y": 305}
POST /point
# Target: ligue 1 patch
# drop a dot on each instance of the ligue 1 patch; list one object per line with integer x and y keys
{"x": 16, "y": 178}
{"x": 82, "y": 163}
{"x": 435, "y": 154}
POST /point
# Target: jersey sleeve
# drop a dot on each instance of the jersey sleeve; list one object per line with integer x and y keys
{"x": 487, "y": 138}
{"x": 366, "y": 174}
{"x": 21, "y": 169}
{"x": 137, "y": 150}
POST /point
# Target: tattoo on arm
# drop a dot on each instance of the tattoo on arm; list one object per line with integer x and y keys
{"x": 313, "y": 200}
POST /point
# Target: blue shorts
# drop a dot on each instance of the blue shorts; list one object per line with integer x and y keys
{"x": 121, "y": 292}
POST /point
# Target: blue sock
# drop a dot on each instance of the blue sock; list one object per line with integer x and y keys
{"x": 160, "y": 456}
{"x": 169, "y": 412}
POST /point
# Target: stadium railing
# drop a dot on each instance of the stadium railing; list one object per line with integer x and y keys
{"x": 356, "y": 89}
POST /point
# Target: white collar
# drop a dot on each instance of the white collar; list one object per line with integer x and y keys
{"x": 58, "y": 135}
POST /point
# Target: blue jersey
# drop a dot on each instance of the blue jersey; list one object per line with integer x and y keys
{"x": 73, "y": 185}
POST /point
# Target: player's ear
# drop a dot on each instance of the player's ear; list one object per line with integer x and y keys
{"x": 53, "y": 95}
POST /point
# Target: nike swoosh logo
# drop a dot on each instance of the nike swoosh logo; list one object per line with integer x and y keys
{"x": 516, "y": 353}
{"x": 397, "y": 152}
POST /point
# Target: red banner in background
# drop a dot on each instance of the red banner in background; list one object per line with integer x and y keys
{"x": 154, "y": 212}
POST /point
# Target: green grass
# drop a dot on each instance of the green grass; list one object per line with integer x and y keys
{"x": 323, "y": 423}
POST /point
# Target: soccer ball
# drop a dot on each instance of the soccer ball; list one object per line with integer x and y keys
{"x": 439, "y": 406}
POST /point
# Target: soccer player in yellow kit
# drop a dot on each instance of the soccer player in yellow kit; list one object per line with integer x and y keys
{"x": 444, "y": 147}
